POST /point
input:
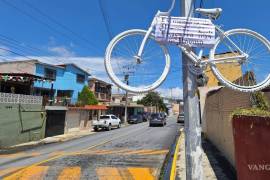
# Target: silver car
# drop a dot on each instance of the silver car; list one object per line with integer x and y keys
{"x": 180, "y": 117}
{"x": 157, "y": 119}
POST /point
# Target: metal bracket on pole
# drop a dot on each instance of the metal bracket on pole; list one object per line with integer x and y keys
{"x": 192, "y": 115}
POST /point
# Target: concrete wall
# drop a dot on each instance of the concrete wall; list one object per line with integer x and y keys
{"x": 231, "y": 71}
{"x": 18, "y": 67}
{"x": 19, "y": 126}
{"x": 77, "y": 120}
{"x": 219, "y": 105}
{"x": 267, "y": 94}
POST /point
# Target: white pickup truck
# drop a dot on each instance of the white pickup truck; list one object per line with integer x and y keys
{"x": 107, "y": 122}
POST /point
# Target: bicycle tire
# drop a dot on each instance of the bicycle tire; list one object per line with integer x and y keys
{"x": 232, "y": 85}
{"x": 117, "y": 81}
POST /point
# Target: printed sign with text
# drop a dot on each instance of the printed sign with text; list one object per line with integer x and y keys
{"x": 194, "y": 32}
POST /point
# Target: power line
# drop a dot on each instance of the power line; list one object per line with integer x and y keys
{"x": 24, "y": 48}
{"x": 52, "y": 29}
{"x": 59, "y": 24}
{"x": 105, "y": 18}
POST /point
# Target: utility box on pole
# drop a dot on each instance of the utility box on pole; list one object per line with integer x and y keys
{"x": 191, "y": 108}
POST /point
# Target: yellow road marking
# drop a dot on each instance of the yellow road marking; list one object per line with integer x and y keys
{"x": 9, "y": 170}
{"x": 134, "y": 173}
{"x": 70, "y": 173}
{"x": 141, "y": 173}
{"x": 61, "y": 155}
{"x": 140, "y": 151}
{"x": 12, "y": 155}
{"x": 33, "y": 173}
{"x": 57, "y": 153}
{"x": 156, "y": 152}
{"x": 173, "y": 169}
{"x": 108, "y": 173}
{"x": 21, "y": 154}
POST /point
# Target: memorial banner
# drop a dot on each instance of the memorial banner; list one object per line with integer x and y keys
{"x": 194, "y": 32}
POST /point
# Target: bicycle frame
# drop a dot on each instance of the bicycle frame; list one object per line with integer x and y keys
{"x": 187, "y": 50}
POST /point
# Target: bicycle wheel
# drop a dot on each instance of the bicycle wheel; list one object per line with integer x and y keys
{"x": 124, "y": 69}
{"x": 247, "y": 75}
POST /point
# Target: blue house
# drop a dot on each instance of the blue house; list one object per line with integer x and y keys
{"x": 67, "y": 81}
{"x": 60, "y": 82}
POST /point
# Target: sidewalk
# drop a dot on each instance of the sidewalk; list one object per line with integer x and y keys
{"x": 215, "y": 166}
{"x": 54, "y": 139}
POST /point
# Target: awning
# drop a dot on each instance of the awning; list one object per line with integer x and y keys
{"x": 96, "y": 107}
{"x": 90, "y": 107}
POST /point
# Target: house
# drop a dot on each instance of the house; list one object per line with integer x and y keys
{"x": 80, "y": 118}
{"x": 66, "y": 80}
{"x": 231, "y": 71}
{"x": 117, "y": 106}
{"x": 101, "y": 89}
{"x": 217, "y": 104}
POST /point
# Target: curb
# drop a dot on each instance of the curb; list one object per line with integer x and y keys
{"x": 175, "y": 156}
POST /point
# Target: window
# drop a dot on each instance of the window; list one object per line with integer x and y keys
{"x": 104, "y": 117}
{"x": 50, "y": 73}
{"x": 80, "y": 78}
{"x": 113, "y": 117}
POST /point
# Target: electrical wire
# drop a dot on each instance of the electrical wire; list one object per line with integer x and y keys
{"x": 34, "y": 18}
{"x": 60, "y": 24}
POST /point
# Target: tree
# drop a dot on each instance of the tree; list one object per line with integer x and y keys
{"x": 86, "y": 97}
{"x": 153, "y": 99}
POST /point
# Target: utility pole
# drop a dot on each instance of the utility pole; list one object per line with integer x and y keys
{"x": 126, "y": 103}
{"x": 127, "y": 70}
{"x": 191, "y": 108}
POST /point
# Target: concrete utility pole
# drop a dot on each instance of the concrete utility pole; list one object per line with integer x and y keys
{"x": 126, "y": 103}
{"x": 192, "y": 116}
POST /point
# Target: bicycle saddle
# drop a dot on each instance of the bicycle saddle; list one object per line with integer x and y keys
{"x": 210, "y": 13}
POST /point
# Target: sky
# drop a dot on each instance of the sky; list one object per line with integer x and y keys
{"x": 58, "y": 31}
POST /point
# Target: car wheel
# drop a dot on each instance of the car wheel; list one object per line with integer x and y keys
{"x": 119, "y": 125}
{"x": 109, "y": 127}
{"x": 95, "y": 129}
{"x": 150, "y": 125}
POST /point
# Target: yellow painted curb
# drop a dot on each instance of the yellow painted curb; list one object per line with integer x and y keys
{"x": 175, "y": 156}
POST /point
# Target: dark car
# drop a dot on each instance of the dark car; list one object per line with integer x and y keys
{"x": 157, "y": 119}
{"x": 146, "y": 116}
{"x": 134, "y": 119}
{"x": 180, "y": 117}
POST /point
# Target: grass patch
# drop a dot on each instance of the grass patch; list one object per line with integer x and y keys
{"x": 251, "y": 112}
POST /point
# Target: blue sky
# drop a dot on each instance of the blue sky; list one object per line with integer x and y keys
{"x": 85, "y": 19}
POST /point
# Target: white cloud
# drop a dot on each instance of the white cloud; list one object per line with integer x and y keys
{"x": 4, "y": 50}
{"x": 176, "y": 92}
{"x": 95, "y": 66}
{"x": 61, "y": 51}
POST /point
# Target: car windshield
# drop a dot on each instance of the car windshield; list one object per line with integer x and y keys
{"x": 154, "y": 115}
{"x": 181, "y": 114}
{"x": 104, "y": 117}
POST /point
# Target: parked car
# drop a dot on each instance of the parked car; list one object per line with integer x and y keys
{"x": 134, "y": 119}
{"x": 157, "y": 119}
{"x": 164, "y": 114}
{"x": 180, "y": 117}
{"x": 107, "y": 122}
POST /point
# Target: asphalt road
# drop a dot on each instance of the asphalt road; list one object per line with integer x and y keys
{"x": 133, "y": 152}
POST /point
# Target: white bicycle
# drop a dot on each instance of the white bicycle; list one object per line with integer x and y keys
{"x": 137, "y": 57}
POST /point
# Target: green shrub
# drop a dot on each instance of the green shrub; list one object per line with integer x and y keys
{"x": 251, "y": 112}
{"x": 86, "y": 97}
{"x": 258, "y": 100}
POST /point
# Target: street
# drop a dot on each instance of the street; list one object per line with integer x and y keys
{"x": 133, "y": 152}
